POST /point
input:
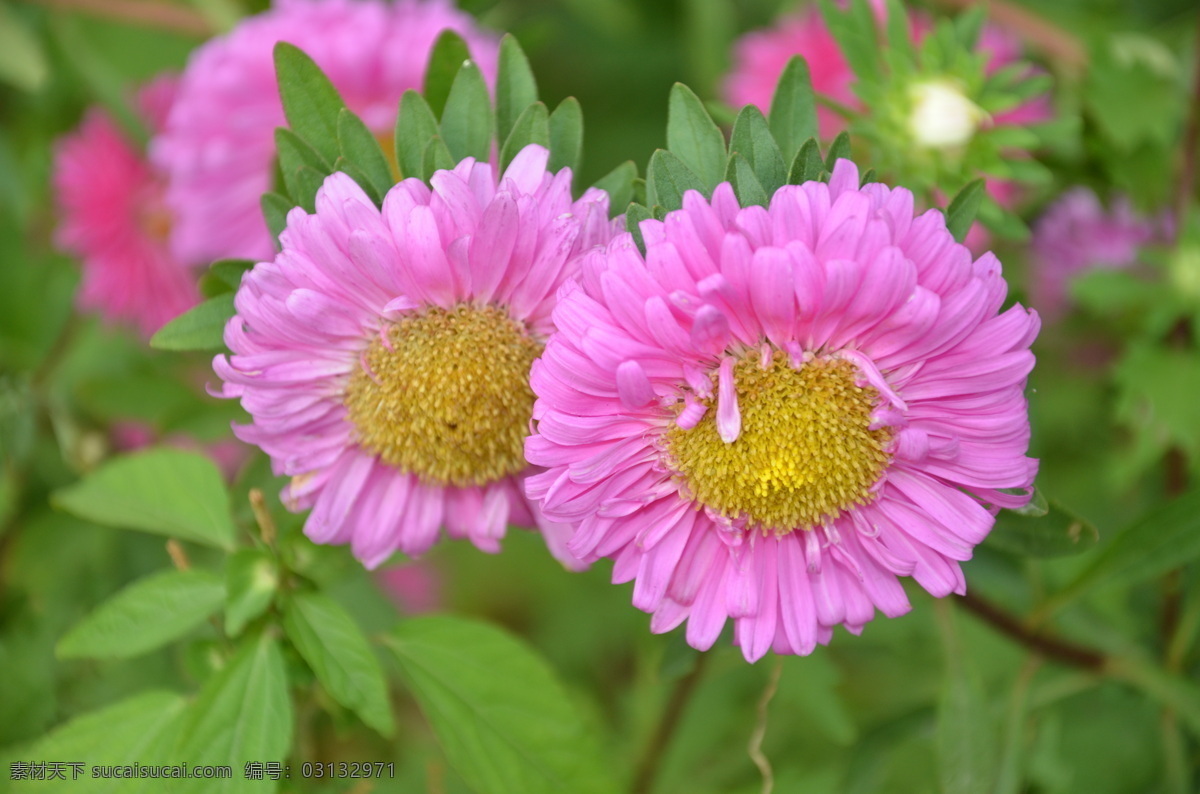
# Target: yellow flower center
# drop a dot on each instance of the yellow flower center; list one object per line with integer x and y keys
{"x": 805, "y": 452}
{"x": 445, "y": 395}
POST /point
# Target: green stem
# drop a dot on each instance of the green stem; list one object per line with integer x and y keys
{"x": 656, "y": 749}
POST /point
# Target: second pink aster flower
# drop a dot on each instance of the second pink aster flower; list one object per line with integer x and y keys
{"x": 384, "y": 355}
{"x": 778, "y": 412}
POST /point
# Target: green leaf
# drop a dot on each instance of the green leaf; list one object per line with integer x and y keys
{"x": 448, "y": 55}
{"x": 505, "y": 722}
{"x": 966, "y": 740}
{"x": 145, "y": 615}
{"x": 230, "y": 271}
{"x": 838, "y": 150}
{"x": 793, "y": 117}
{"x": 22, "y": 60}
{"x": 165, "y": 491}
{"x": 1165, "y": 538}
{"x": 467, "y": 118}
{"x": 807, "y": 165}
{"x": 752, "y": 139}
{"x": 634, "y": 215}
{"x": 310, "y": 102}
{"x": 1172, "y": 691}
{"x": 960, "y": 215}
{"x": 533, "y": 126}
{"x": 1052, "y": 532}
{"x": 745, "y": 184}
{"x": 353, "y": 171}
{"x": 275, "y": 207}
{"x": 199, "y": 328}
{"x": 251, "y": 579}
{"x": 669, "y": 178}
{"x": 899, "y": 31}
{"x": 360, "y": 148}
{"x": 296, "y": 160}
{"x": 566, "y": 136}
{"x": 437, "y": 158}
{"x": 338, "y": 653}
{"x": 242, "y": 714}
{"x": 855, "y": 32}
{"x": 618, "y": 184}
{"x": 695, "y": 138}
{"x": 305, "y": 183}
{"x": 516, "y": 88}
{"x": 416, "y": 126}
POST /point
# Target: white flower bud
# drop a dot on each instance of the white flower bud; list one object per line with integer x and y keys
{"x": 942, "y": 118}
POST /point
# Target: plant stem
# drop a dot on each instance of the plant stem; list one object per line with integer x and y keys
{"x": 760, "y": 728}
{"x": 1191, "y": 139}
{"x": 652, "y": 756}
{"x": 1048, "y": 646}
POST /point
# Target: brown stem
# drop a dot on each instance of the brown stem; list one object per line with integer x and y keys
{"x": 1048, "y": 646}
{"x": 760, "y": 728}
{"x": 146, "y": 13}
{"x": 1056, "y": 43}
{"x": 1191, "y": 139}
{"x": 647, "y": 768}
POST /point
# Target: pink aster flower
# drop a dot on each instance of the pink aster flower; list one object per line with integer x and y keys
{"x": 384, "y": 355}
{"x": 777, "y": 413}
{"x": 219, "y": 142}
{"x": 112, "y": 217}
{"x": 1077, "y": 234}
{"x": 414, "y": 588}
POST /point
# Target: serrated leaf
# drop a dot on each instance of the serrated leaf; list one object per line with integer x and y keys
{"x": 416, "y": 126}
{"x": 1054, "y": 532}
{"x": 145, "y": 615}
{"x": 634, "y": 215}
{"x": 360, "y": 148}
{"x": 164, "y": 491}
{"x": 251, "y": 579}
{"x": 310, "y": 102}
{"x": 752, "y": 139}
{"x": 533, "y": 126}
{"x": 960, "y": 215}
{"x": 340, "y": 656}
{"x": 437, "y": 158}
{"x": 566, "y": 136}
{"x": 467, "y": 118}
{"x": 275, "y": 208}
{"x": 669, "y": 178}
{"x": 243, "y": 714}
{"x": 838, "y": 150}
{"x": 506, "y": 724}
{"x": 516, "y": 88}
{"x": 448, "y": 55}
{"x": 199, "y": 328}
{"x": 807, "y": 164}
{"x": 793, "y": 118}
{"x": 618, "y": 184}
{"x": 745, "y": 184}
{"x": 695, "y": 138}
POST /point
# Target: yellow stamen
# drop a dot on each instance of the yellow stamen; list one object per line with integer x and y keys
{"x": 446, "y": 396}
{"x": 805, "y": 452}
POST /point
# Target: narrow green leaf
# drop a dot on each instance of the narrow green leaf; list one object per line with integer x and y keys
{"x": 634, "y": 215}
{"x": 448, "y": 55}
{"x": 165, "y": 491}
{"x": 505, "y": 722}
{"x": 960, "y": 215}
{"x": 306, "y": 181}
{"x": 360, "y": 148}
{"x": 230, "y": 271}
{"x": 467, "y": 118}
{"x": 416, "y": 126}
{"x": 340, "y": 656}
{"x": 1056, "y": 532}
{"x": 297, "y": 160}
{"x": 145, "y": 615}
{"x": 793, "y": 117}
{"x": 838, "y": 150}
{"x": 199, "y": 328}
{"x": 310, "y": 102}
{"x": 695, "y": 138}
{"x": 275, "y": 207}
{"x": 437, "y": 158}
{"x": 353, "y": 171}
{"x": 752, "y": 139}
{"x": 251, "y": 579}
{"x": 533, "y": 126}
{"x": 669, "y": 178}
{"x": 807, "y": 164}
{"x": 516, "y": 88}
{"x": 868, "y": 177}
{"x": 899, "y": 31}
{"x": 566, "y": 136}
{"x": 745, "y": 184}
{"x": 242, "y": 714}
{"x": 855, "y": 32}
{"x": 618, "y": 184}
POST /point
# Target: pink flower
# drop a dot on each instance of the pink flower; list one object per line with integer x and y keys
{"x": 227, "y": 453}
{"x": 219, "y": 142}
{"x": 113, "y": 218}
{"x": 384, "y": 356}
{"x": 414, "y": 588}
{"x": 777, "y": 413}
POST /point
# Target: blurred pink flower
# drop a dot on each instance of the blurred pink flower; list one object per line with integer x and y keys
{"x": 218, "y": 144}
{"x": 228, "y": 454}
{"x": 384, "y": 355}
{"x": 113, "y": 218}
{"x": 777, "y": 413}
{"x": 415, "y": 587}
